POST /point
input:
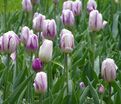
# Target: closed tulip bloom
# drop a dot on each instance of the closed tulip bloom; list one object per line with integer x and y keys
{"x": 82, "y": 85}
{"x": 37, "y": 65}
{"x": 67, "y": 18}
{"x": 108, "y": 70}
{"x": 25, "y": 34}
{"x": 32, "y": 43}
{"x": 91, "y": 5}
{"x": 46, "y": 50}
{"x": 38, "y": 22}
{"x": 49, "y": 29}
{"x": 67, "y": 5}
{"x": 67, "y": 42}
{"x": 27, "y": 5}
{"x": 101, "y": 89}
{"x": 96, "y": 21}
{"x": 77, "y": 7}
{"x": 10, "y": 42}
{"x": 40, "y": 82}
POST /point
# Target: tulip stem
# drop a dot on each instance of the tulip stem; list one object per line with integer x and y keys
{"x": 49, "y": 80}
{"x": 110, "y": 93}
{"x": 6, "y": 77}
{"x": 66, "y": 70}
{"x": 5, "y": 9}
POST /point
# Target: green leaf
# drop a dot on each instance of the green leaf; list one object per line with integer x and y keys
{"x": 115, "y": 25}
{"x": 97, "y": 66}
{"x": 84, "y": 95}
{"x": 14, "y": 96}
{"x": 93, "y": 92}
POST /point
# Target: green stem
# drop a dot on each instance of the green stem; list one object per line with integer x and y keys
{"x": 49, "y": 80}
{"x": 66, "y": 70}
{"x": 6, "y": 78}
{"x": 5, "y": 9}
{"x": 41, "y": 99}
{"x": 110, "y": 93}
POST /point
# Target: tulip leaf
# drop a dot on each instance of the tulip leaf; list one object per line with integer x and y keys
{"x": 115, "y": 25}
{"x": 84, "y": 95}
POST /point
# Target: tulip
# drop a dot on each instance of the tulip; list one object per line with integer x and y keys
{"x": 27, "y": 5}
{"x": 67, "y": 5}
{"x": 40, "y": 82}
{"x": 67, "y": 42}
{"x": 38, "y": 22}
{"x": 82, "y": 85}
{"x": 46, "y": 50}
{"x": 10, "y": 42}
{"x": 37, "y": 65}
{"x": 108, "y": 70}
{"x": 49, "y": 29}
{"x": 96, "y": 22}
{"x": 25, "y": 34}
{"x": 101, "y": 89}
{"x": 77, "y": 7}
{"x": 32, "y": 43}
{"x": 91, "y": 5}
{"x": 67, "y": 18}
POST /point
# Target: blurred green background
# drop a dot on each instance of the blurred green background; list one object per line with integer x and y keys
{"x": 13, "y": 5}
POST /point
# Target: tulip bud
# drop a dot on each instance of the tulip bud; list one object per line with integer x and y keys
{"x": 38, "y": 22}
{"x": 32, "y": 43}
{"x": 77, "y": 7}
{"x": 25, "y": 34}
{"x": 37, "y": 65}
{"x": 40, "y": 82}
{"x": 101, "y": 89}
{"x": 67, "y": 18}
{"x": 35, "y": 1}
{"x": 10, "y": 41}
{"x": 27, "y": 5}
{"x": 108, "y": 70}
{"x": 45, "y": 51}
{"x": 67, "y": 5}
{"x": 95, "y": 21}
{"x": 82, "y": 85}
{"x": 91, "y": 5}
{"x": 67, "y": 42}
{"x": 49, "y": 29}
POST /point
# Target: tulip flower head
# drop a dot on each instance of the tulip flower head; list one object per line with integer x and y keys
{"x": 25, "y": 34}
{"x": 67, "y": 42}
{"x": 27, "y": 5}
{"x": 46, "y": 50}
{"x": 101, "y": 89}
{"x": 49, "y": 29}
{"x": 108, "y": 70}
{"x": 32, "y": 43}
{"x": 37, "y": 65}
{"x": 82, "y": 85}
{"x": 91, "y": 5}
{"x": 38, "y": 22}
{"x": 67, "y": 18}
{"x": 96, "y": 22}
{"x": 77, "y": 7}
{"x": 10, "y": 42}
{"x": 40, "y": 82}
